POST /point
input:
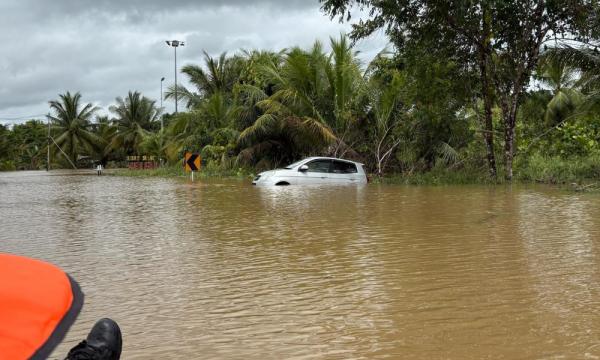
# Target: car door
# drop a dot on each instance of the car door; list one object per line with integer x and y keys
{"x": 317, "y": 172}
{"x": 343, "y": 172}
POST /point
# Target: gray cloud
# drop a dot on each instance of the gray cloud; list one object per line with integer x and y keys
{"x": 105, "y": 48}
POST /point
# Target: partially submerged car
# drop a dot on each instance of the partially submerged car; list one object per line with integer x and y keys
{"x": 315, "y": 170}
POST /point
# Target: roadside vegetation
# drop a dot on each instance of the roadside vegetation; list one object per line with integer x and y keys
{"x": 473, "y": 92}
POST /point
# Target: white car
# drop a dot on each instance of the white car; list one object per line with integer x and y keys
{"x": 315, "y": 170}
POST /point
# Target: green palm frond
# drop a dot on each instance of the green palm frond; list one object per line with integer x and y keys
{"x": 564, "y": 103}
{"x": 252, "y": 92}
{"x": 319, "y": 130}
{"x": 135, "y": 116}
{"x": 585, "y": 58}
{"x": 447, "y": 153}
{"x": 190, "y": 98}
{"x": 264, "y": 125}
{"x": 71, "y": 121}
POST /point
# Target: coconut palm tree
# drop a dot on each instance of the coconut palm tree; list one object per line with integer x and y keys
{"x": 252, "y": 82}
{"x": 564, "y": 83}
{"x": 181, "y": 133}
{"x": 313, "y": 106}
{"x": 105, "y": 132}
{"x": 135, "y": 116}
{"x": 586, "y": 59}
{"x": 154, "y": 144}
{"x": 71, "y": 124}
{"x": 219, "y": 75}
{"x": 346, "y": 85}
{"x": 291, "y": 124}
{"x": 385, "y": 99}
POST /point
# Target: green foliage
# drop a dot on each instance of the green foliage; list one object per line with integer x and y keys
{"x": 502, "y": 38}
{"x": 417, "y": 115}
{"x": 71, "y": 122}
{"x": 555, "y": 169}
{"x": 136, "y": 115}
{"x": 24, "y": 146}
{"x": 7, "y": 165}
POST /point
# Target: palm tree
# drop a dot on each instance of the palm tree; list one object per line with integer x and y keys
{"x": 252, "y": 82}
{"x": 154, "y": 144}
{"x": 71, "y": 123}
{"x": 218, "y": 112}
{"x": 346, "y": 86}
{"x": 135, "y": 116}
{"x": 572, "y": 76}
{"x": 291, "y": 124}
{"x": 105, "y": 132}
{"x": 563, "y": 81}
{"x": 312, "y": 107}
{"x": 585, "y": 59}
{"x": 180, "y": 133}
{"x": 385, "y": 99}
{"x": 219, "y": 75}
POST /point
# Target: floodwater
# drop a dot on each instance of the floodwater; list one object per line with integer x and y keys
{"x": 225, "y": 270}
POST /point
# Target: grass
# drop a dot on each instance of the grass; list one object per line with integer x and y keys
{"x": 438, "y": 177}
{"x": 556, "y": 170}
{"x": 178, "y": 172}
{"x": 578, "y": 174}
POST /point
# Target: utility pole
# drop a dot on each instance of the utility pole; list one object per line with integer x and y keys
{"x": 175, "y": 44}
{"x": 161, "y": 105}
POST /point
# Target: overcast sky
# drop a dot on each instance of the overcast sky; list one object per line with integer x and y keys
{"x": 104, "y": 48}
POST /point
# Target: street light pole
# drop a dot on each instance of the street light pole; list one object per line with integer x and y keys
{"x": 161, "y": 105}
{"x": 175, "y": 44}
{"x": 48, "y": 157}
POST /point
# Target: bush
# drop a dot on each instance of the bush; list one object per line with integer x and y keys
{"x": 7, "y": 165}
{"x": 557, "y": 170}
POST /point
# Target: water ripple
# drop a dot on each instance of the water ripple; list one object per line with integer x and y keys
{"x": 225, "y": 270}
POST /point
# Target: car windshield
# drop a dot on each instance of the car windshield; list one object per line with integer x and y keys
{"x": 291, "y": 166}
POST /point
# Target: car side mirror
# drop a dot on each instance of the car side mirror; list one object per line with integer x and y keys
{"x": 303, "y": 168}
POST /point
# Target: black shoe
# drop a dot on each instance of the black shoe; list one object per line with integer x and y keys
{"x": 103, "y": 343}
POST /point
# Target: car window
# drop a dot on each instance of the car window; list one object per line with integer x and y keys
{"x": 291, "y": 166}
{"x": 343, "y": 167}
{"x": 321, "y": 166}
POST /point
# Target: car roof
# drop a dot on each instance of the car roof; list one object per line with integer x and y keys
{"x": 331, "y": 158}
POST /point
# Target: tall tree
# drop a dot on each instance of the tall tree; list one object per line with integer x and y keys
{"x": 71, "y": 124}
{"x": 299, "y": 114}
{"x": 386, "y": 101}
{"x": 135, "y": 116}
{"x": 105, "y": 131}
{"x": 218, "y": 75}
{"x": 504, "y": 36}
{"x": 563, "y": 82}
{"x": 586, "y": 59}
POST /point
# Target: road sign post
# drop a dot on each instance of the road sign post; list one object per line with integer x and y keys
{"x": 191, "y": 162}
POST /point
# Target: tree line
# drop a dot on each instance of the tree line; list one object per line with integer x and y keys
{"x": 465, "y": 86}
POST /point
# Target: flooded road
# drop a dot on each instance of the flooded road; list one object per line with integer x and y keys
{"x": 224, "y": 270}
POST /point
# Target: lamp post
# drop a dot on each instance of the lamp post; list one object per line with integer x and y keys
{"x": 161, "y": 106}
{"x": 175, "y": 44}
{"x": 48, "y": 157}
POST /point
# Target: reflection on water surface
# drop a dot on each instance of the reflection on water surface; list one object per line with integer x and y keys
{"x": 222, "y": 269}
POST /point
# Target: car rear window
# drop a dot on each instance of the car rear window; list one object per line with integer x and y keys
{"x": 342, "y": 167}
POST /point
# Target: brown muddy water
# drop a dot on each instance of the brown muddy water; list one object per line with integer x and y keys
{"x": 225, "y": 270}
